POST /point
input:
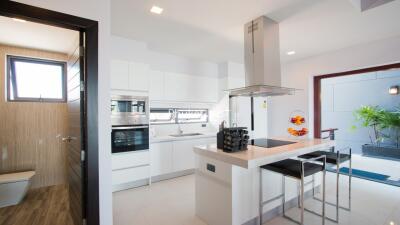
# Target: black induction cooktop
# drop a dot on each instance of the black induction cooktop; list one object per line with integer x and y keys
{"x": 269, "y": 143}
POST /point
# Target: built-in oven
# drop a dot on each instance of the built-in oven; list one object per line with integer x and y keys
{"x": 129, "y": 110}
{"x": 130, "y": 138}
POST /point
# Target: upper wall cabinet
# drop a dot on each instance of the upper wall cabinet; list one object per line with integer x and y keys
{"x": 156, "y": 87}
{"x": 119, "y": 75}
{"x": 138, "y": 76}
{"x": 130, "y": 76}
{"x": 184, "y": 87}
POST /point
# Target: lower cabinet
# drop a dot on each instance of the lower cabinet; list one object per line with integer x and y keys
{"x": 161, "y": 158}
{"x": 174, "y": 156}
{"x": 128, "y": 168}
{"x": 183, "y": 155}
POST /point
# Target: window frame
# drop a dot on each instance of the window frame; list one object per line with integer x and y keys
{"x": 11, "y": 78}
{"x": 176, "y": 116}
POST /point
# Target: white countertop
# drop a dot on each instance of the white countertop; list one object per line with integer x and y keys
{"x": 256, "y": 156}
{"x": 166, "y": 138}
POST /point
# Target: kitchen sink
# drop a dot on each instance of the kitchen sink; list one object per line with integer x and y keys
{"x": 185, "y": 135}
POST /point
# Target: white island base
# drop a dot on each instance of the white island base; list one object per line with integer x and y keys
{"x": 227, "y": 184}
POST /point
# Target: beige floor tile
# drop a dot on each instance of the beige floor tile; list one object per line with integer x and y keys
{"x": 171, "y": 202}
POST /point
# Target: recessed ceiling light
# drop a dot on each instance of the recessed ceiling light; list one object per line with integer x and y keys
{"x": 157, "y": 10}
{"x": 291, "y": 53}
{"x": 19, "y": 20}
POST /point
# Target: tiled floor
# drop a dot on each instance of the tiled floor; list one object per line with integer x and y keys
{"x": 171, "y": 202}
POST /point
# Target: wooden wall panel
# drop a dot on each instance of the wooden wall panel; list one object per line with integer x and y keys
{"x": 30, "y": 133}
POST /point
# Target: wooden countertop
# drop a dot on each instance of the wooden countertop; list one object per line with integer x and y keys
{"x": 256, "y": 156}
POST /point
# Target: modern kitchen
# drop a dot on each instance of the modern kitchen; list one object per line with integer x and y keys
{"x": 232, "y": 143}
{"x": 213, "y": 112}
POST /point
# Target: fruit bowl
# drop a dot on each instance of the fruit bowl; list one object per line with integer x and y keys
{"x": 298, "y": 133}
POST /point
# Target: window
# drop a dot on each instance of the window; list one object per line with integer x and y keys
{"x": 192, "y": 115}
{"x": 162, "y": 116}
{"x": 172, "y": 116}
{"x": 36, "y": 80}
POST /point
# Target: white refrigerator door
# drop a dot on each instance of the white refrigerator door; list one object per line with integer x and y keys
{"x": 240, "y": 108}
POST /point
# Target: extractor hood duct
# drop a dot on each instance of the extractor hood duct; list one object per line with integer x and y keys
{"x": 262, "y": 60}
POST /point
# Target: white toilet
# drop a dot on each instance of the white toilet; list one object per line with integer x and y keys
{"x": 13, "y": 187}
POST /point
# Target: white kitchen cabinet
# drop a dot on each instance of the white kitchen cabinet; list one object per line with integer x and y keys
{"x": 138, "y": 76}
{"x": 183, "y": 155}
{"x": 175, "y": 156}
{"x": 178, "y": 87}
{"x": 130, "y": 159}
{"x": 189, "y": 88}
{"x": 207, "y": 89}
{"x": 129, "y": 167}
{"x": 127, "y": 176}
{"x": 156, "y": 87}
{"x": 119, "y": 75}
{"x": 161, "y": 158}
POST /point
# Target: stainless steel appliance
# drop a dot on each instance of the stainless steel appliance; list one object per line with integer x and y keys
{"x": 262, "y": 60}
{"x": 129, "y": 110}
{"x": 130, "y": 138}
{"x": 130, "y": 123}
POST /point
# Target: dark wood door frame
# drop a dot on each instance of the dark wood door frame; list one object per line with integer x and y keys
{"x": 90, "y": 28}
{"x": 317, "y": 90}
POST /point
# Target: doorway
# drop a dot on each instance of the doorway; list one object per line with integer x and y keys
{"x": 361, "y": 111}
{"x": 82, "y": 155}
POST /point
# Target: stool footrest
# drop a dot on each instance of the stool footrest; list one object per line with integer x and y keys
{"x": 317, "y": 214}
{"x": 332, "y": 204}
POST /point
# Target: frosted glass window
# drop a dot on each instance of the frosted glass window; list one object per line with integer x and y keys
{"x": 174, "y": 115}
{"x": 36, "y": 80}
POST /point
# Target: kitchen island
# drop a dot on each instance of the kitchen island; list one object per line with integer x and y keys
{"x": 227, "y": 184}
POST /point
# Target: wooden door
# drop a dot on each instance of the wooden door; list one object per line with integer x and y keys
{"x": 75, "y": 138}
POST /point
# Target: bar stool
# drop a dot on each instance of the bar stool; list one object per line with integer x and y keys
{"x": 334, "y": 159}
{"x": 297, "y": 169}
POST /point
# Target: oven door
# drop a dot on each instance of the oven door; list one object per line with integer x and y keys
{"x": 130, "y": 138}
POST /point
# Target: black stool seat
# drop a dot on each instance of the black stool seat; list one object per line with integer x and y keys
{"x": 331, "y": 157}
{"x": 292, "y": 167}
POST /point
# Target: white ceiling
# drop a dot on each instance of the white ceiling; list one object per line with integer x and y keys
{"x": 212, "y": 29}
{"x": 36, "y": 36}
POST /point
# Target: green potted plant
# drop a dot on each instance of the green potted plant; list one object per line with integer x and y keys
{"x": 385, "y": 127}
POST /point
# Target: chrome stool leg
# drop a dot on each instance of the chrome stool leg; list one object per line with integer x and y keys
{"x": 302, "y": 197}
{"x": 337, "y": 205}
{"x": 337, "y": 187}
{"x": 261, "y": 199}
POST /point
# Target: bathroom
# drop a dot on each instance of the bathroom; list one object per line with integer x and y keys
{"x": 35, "y": 120}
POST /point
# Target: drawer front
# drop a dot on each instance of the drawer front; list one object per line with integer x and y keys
{"x": 130, "y": 159}
{"x": 129, "y": 175}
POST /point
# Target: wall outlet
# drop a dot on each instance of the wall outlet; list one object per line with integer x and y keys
{"x": 211, "y": 167}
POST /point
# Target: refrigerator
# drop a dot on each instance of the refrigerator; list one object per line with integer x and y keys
{"x": 243, "y": 109}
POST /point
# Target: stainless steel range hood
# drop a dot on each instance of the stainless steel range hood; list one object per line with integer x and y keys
{"x": 262, "y": 60}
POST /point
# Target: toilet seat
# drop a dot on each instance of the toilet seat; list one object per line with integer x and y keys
{"x": 16, "y": 177}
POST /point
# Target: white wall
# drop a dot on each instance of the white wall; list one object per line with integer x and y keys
{"x": 341, "y": 96}
{"x": 299, "y": 74}
{"x": 98, "y": 10}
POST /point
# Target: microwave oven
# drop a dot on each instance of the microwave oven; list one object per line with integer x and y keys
{"x": 129, "y": 110}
